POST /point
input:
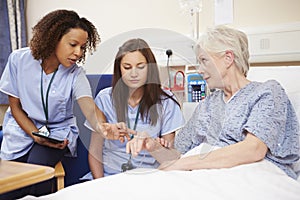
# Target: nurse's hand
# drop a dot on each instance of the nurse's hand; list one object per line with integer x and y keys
{"x": 142, "y": 141}
{"x": 118, "y": 131}
{"x": 46, "y": 142}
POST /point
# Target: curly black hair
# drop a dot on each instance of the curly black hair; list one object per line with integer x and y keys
{"x": 52, "y": 27}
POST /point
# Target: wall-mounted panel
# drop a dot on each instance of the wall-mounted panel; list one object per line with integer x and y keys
{"x": 275, "y": 44}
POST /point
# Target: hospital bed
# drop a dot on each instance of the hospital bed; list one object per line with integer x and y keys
{"x": 256, "y": 181}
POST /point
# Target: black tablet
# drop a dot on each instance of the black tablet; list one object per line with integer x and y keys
{"x": 48, "y": 138}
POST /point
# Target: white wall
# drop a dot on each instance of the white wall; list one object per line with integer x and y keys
{"x": 116, "y": 20}
{"x": 255, "y": 13}
{"x": 113, "y": 17}
{"x": 161, "y": 22}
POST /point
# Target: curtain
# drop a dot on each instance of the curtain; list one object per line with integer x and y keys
{"x": 12, "y": 32}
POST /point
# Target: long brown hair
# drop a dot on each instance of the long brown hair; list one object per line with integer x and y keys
{"x": 153, "y": 93}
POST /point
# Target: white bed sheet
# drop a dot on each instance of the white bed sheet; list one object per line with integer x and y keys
{"x": 258, "y": 181}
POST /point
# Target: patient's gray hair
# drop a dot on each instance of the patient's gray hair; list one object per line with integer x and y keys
{"x": 221, "y": 39}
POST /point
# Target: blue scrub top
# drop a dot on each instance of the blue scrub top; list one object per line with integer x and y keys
{"x": 114, "y": 152}
{"x": 22, "y": 79}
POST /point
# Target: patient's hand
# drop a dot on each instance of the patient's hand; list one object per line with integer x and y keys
{"x": 163, "y": 142}
{"x": 159, "y": 148}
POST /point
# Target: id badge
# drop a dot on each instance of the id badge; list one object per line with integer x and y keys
{"x": 44, "y": 131}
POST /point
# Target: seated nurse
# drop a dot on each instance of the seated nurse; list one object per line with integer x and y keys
{"x": 136, "y": 98}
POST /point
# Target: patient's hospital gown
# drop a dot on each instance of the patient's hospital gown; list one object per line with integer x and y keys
{"x": 260, "y": 108}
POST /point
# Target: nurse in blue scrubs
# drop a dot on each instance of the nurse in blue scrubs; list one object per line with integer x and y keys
{"x": 136, "y": 97}
{"x": 42, "y": 82}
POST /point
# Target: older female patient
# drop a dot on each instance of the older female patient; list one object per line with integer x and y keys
{"x": 249, "y": 121}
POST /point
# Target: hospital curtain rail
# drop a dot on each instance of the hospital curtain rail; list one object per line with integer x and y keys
{"x": 12, "y": 32}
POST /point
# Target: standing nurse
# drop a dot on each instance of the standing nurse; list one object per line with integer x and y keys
{"x": 42, "y": 82}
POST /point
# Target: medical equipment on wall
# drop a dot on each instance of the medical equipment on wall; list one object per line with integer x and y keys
{"x": 179, "y": 80}
{"x": 178, "y": 85}
{"x": 195, "y": 85}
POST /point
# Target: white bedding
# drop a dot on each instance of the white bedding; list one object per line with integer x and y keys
{"x": 258, "y": 181}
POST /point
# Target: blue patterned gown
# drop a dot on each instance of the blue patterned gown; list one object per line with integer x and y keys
{"x": 259, "y": 108}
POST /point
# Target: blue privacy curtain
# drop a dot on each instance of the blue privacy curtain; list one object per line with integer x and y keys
{"x": 12, "y": 32}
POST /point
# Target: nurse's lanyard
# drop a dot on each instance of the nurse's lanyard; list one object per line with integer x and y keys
{"x": 45, "y": 105}
{"x": 128, "y": 165}
{"x": 135, "y": 121}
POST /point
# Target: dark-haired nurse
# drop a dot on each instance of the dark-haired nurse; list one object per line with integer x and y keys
{"x": 137, "y": 98}
{"x": 42, "y": 82}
